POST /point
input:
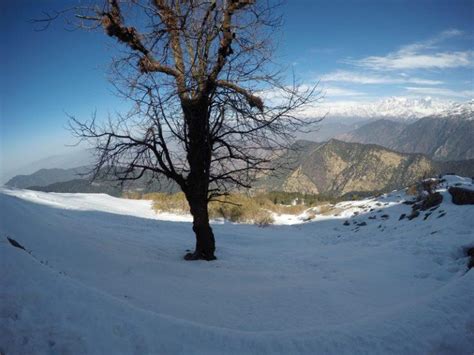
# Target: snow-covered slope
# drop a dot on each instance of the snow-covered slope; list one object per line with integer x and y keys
{"x": 95, "y": 202}
{"x": 104, "y": 276}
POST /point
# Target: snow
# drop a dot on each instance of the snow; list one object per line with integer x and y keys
{"x": 96, "y": 202}
{"x": 395, "y": 108}
{"x": 106, "y": 276}
{"x": 107, "y": 203}
{"x": 464, "y": 110}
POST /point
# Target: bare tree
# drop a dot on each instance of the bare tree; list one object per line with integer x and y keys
{"x": 210, "y": 107}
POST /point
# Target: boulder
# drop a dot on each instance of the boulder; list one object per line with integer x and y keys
{"x": 462, "y": 196}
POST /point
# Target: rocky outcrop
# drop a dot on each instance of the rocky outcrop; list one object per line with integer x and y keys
{"x": 462, "y": 196}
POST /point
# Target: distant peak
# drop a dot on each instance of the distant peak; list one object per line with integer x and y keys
{"x": 463, "y": 109}
{"x": 391, "y": 108}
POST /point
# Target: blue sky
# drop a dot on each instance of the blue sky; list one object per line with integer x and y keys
{"x": 360, "y": 50}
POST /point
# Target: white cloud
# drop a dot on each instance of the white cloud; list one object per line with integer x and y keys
{"x": 451, "y": 33}
{"x": 363, "y": 78}
{"x": 420, "y": 55}
{"x": 401, "y": 60}
{"x": 431, "y": 43}
{"x": 464, "y": 94}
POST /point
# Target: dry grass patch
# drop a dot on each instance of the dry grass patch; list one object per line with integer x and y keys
{"x": 326, "y": 209}
{"x": 413, "y": 190}
{"x": 163, "y": 202}
{"x": 241, "y": 208}
{"x": 237, "y": 207}
{"x": 132, "y": 195}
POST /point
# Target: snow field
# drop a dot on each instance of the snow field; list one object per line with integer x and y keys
{"x": 106, "y": 275}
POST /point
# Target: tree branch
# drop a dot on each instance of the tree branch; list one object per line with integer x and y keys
{"x": 253, "y": 100}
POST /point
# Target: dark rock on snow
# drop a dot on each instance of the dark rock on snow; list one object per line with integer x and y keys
{"x": 462, "y": 196}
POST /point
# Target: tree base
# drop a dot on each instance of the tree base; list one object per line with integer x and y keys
{"x": 199, "y": 256}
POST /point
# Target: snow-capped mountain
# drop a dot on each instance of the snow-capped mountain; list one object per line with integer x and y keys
{"x": 395, "y": 108}
{"x": 446, "y": 135}
{"x": 405, "y": 108}
{"x": 460, "y": 109}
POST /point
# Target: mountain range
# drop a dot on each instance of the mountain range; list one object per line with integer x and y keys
{"x": 440, "y": 137}
{"x": 367, "y": 157}
{"x": 77, "y": 180}
{"x": 395, "y": 108}
{"x": 45, "y": 177}
{"x": 333, "y": 168}
{"x": 73, "y": 158}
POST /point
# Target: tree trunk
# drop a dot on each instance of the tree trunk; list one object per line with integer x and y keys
{"x": 197, "y": 183}
{"x": 205, "y": 242}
